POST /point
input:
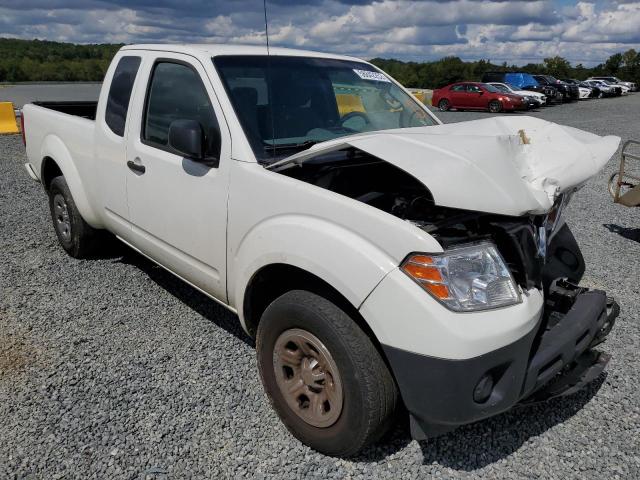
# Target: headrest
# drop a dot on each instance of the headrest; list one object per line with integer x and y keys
{"x": 246, "y": 95}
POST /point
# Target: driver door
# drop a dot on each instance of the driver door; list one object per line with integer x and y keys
{"x": 178, "y": 206}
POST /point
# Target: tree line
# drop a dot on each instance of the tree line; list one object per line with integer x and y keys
{"x": 37, "y": 60}
{"x": 448, "y": 70}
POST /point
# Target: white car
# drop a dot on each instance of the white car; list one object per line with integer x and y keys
{"x": 615, "y": 80}
{"x": 533, "y": 99}
{"x": 376, "y": 255}
{"x": 606, "y": 89}
{"x": 584, "y": 92}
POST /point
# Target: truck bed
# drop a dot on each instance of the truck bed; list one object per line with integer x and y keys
{"x": 84, "y": 109}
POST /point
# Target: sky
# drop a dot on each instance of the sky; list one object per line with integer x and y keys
{"x": 513, "y": 31}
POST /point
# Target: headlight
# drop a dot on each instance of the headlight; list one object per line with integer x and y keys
{"x": 465, "y": 278}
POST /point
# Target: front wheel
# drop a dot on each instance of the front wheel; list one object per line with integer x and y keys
{"x": 324, "y": 377}
{"x": 495, "y": 106}
{"x": 76, "y": 236}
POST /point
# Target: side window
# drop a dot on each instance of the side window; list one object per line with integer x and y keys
{"x": 115, "y": 114}
{"x": 473, "y": 89}
{"x": 177, "y": 93}
{"x": 457, "y": 88}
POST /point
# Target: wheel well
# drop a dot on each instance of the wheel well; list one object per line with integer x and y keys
{"x": 274, "y": 280}
{"x": 50, "y": 170}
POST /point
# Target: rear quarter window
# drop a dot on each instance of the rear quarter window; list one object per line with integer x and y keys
{"x": 120, "y": 93}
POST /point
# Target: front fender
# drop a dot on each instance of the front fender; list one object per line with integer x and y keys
{"x": 54, "y": 148}
{"x": 339, "y": 256}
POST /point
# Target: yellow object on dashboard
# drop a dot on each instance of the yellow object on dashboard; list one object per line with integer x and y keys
{"x": 348, "y": 103}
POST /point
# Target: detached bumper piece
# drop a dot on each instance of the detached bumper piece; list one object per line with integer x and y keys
{"x": 554, "y": 359}
{"x": 579, "y": 320}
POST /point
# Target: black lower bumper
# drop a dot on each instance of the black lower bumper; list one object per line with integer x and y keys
{"x": 555, "y": 358}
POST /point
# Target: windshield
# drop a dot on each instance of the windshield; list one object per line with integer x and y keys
{"x": 287, "y": 104}
{"x": 491, "y": 88}
{"x": 500, "y": 88}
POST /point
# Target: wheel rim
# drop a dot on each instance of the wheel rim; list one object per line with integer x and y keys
{"x": 61, "y": 214}
{"x": 494, "y": 107}
{"x": 308, "y": 377}
{"x": 444, "y": 105}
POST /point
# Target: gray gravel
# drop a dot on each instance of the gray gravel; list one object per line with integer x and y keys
{"x": 111, "y": 368}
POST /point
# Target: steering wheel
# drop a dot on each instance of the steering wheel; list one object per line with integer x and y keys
{"x": 351, "y": 115}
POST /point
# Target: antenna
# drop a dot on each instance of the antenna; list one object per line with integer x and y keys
{"x": 266, "y": 24}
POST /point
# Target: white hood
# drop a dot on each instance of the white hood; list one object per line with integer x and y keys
{"x": 507, "y": 165}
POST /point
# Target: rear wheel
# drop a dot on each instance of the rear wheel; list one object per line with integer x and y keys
{"x": 75, "y": 235}
{"x": 444, "y": 105}
{"x": 323, "y": 375}
{"x": 495, "y": 106}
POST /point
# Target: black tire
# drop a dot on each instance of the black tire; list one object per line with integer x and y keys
{"x": 369, "y": 393}
{"x": 76, "y": 236}
{"x": 444, "y": 105}
{"x": 495, "y": 106}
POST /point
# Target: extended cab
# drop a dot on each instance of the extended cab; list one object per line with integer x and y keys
{"x": 376, "y": 255}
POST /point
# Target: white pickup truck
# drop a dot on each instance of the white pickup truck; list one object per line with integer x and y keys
{"x": 379, "y": 257}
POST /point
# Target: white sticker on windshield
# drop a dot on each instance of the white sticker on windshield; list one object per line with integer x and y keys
{"x": 367, "y": 75}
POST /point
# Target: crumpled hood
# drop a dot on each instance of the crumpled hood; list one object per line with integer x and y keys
{"x": 506, "y": 165}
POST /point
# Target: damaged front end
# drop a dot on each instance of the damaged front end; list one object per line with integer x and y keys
{"x": 540, "y": 251}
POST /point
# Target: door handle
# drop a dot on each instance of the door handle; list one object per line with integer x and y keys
{"x": 136, "y": 167}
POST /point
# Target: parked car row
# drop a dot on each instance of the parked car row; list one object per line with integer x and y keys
{"x": 510, "y": 91}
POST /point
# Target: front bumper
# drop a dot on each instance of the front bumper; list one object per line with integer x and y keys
{"x": 554, "y": 358}
{"x": 534, "y": 103}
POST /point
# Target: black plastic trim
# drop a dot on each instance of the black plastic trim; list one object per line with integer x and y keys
{"x": 439, "y": 393}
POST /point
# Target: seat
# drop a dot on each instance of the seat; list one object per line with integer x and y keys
{"x": 293, "y": 111}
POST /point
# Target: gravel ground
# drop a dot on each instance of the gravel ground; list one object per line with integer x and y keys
{"x": 111, "y": 368}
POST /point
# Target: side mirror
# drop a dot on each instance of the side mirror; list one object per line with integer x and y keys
{"x": 187, "y": 138}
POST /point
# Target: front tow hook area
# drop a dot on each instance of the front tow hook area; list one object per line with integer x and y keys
{"x": 613, "y": 310}
{"x": 584, "y": 370}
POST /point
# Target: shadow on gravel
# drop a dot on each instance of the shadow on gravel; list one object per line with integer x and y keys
{"x": 188, "y": 295}
{"x": 628, "y": 233}
{"x": 480, "y": 444}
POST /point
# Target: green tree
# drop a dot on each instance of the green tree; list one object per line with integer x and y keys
{"x": 613, "y": 63}
{"x": 630, "y": 58}
{"x": 557, "y": 66}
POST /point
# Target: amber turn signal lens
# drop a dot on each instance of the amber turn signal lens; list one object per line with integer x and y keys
{"x": 423, "y": 272}
{"x": 425, "y": 259}
{"x": 437, "y": 290}
{"x": 422, "y": 269}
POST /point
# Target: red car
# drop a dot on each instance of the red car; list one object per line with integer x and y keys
{"x": 475, "y": 96}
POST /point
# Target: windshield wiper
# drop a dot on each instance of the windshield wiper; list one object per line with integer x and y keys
{"x": 290, "y": 146}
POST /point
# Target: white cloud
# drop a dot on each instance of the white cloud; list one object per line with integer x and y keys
{"x": 512, "y": 31}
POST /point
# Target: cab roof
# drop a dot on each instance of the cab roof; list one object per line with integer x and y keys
{"x": 215, "y": 49}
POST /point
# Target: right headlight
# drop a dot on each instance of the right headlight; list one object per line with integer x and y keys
{"x": 465, "y": 278}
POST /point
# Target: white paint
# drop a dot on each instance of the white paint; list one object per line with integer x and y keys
{"x": 216, "y": 227}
